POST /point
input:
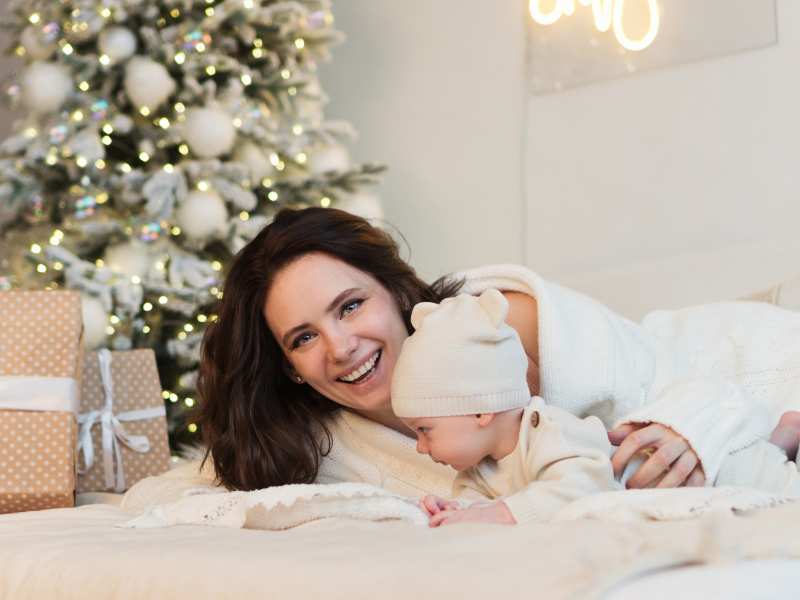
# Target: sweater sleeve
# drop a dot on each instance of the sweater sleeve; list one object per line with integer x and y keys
{"x": 567, "y": 458}
{"x": 712, "y": 414}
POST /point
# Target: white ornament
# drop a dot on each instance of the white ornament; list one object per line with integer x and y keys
{"x": 209, "y": 131}
{"x": 364, "y": 204}
{"x": 118, "y": 43}
{"x": 36, "y": 47}
{"x": 256, "y": 161}
{"x": 147, "y": 83}
{"x": 130, "y": 259}
{"x": 95, "y": 321}
{"x": 45, "y": 87}
{"x": 202, "y": 215}
{"x": 330, "y": 157}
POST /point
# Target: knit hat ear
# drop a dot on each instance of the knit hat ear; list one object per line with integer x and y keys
{"x": 420, "y": 311}
{"x": 495, "y": 305}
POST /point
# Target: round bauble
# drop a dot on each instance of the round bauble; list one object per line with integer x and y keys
{"x": 202, "y": 215}
{"x": 131, "y": 258}
{"x": 209, "y": 131}
{"x": 45, "y": 87}
{"x": 118, "y": 43}
{"x": 95, "y": 321}
{"x": 327, "y": 158}
{"x": 363, "y": 204}
{"x": 35, "y": 44}
{"x": 147, "y": 83}
{"x": 256, "y": 160}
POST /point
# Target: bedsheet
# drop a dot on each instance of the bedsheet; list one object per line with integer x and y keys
{"x": 78, "y": 553}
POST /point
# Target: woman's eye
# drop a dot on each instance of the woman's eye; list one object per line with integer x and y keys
{"x": 301, "y": 340}
{"x": 351, "y": 306}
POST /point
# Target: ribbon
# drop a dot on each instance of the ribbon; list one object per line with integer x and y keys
{"x": 112, "y": 430}
{"x": 39, "y": 393}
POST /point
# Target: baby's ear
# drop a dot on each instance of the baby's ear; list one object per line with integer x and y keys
{"x": 495, "y": 305}
{"x": 420, "y": 311}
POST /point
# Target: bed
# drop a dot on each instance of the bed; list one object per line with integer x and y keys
{"x": 83, "y": 553}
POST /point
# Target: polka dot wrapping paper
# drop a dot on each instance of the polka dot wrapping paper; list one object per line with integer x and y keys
{"x": 136, "y": 387}
{"x": 40, "y": 336}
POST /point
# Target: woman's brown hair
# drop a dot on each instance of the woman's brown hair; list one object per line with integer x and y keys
{"x": 261, "y": 428}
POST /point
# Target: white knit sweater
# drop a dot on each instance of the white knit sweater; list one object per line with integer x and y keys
{"x": 720, "y": 375}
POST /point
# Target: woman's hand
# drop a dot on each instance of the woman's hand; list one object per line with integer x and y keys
{"x": 488, "y": 512}
{"x": 671, "y": 462}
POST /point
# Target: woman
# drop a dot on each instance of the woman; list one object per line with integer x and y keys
{"x": 295, "y": 373}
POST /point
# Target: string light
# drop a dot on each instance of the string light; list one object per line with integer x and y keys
{"x": 203, "y": 186}
{"x": 174, "y": 13}
{"x": 248, "y": 4}
{"x": 41, "y": 268}
{"x": 300, "y": 43}
{"x": 165, "y": 394}
{"x": 179, "y": 107}
{"x": 173, "y": 397}
{"x": 211, "y": 70}
{"x": 266, "y": 182}
{"x": 292, "y": 91}
{"x": 192, "y": 428}
{"x": 147, "y": 307}
{"x": 58, "y": 266}
{"x": 162, "y": 299}
{"x": 105, "y": 60}
{"x": 146, "y": 329}
{"x": 188, "y": 328}
{"x": 202, "y": 318}
{"x": 36, "y": 248}
{"x": 258, "y": 53}
{"x": 105, "y": 12}
{"x": 114, "y": 319}
{"x": 163, "y": 122}
{"x": 99, "y": 263}
{"x": 180, "y": 58}
{"x": 183, "y": 149}
{"x": 78, "y": 116}
{"x": 67, "y": 49}
{"x": 100, "y": 164}
{"x": 188, "y": 401}
{"x": 136, "y": 280}
{"x": 246, "y": 79}
{"x": 216, "y": 265}
{"x": 34, "y": 18}
{"x": 325, "y": 202}
{"x": 210, "y": 11}
{"x": 106, "y": 140}
{"x": 244, "y": 215}
{"x": 19, "y": 51}
{"x": 144, "y": 111}
{"x": 237, "y": 122}
{"x": 144, "y": 156}
{"x": 83, "y": 86}
{"x": 81, "y": 162}
{"x": 102, "y": 198}
{"x": 301, "y": 158}
{"x": 110, "y": 330}
{"x": 297, "y": 129}
{"x": 125, "y": 167}
{"x": 286, "y": 73}
{"x": 169, "y": 168}
{"x": 182, "y": 335}
{"x": 273, "y": 196}
{"x": 175, "y": 230}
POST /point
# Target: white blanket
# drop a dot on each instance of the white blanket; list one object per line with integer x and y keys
{"x": 288, "y": 506}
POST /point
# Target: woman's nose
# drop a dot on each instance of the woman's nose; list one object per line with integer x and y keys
{"x": 343, "y": 345}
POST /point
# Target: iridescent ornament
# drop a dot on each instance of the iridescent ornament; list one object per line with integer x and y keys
{"x": 317, "y": 19}
{"x": 85, "y": 206}
{"x": 51, "y": 32}
{"x": 196, "y": 41}
{"x": 99, "y": 110}
{"x": 35, "y": 44}
{"x": 150, "y": 232}
{"x": 57, "y": 134}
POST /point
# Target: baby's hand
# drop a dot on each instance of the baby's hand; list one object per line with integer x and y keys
{"x": 433, "y": 505}
{"x": 491, "y": 512}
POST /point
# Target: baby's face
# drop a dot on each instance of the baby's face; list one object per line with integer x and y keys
{"x": 454, "y": 441}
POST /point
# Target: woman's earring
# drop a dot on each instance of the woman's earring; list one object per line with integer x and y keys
{"x": 298, "y": 379}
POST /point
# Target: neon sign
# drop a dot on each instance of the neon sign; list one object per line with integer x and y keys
{"x": 607, "y": 14}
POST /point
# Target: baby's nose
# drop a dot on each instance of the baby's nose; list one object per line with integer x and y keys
{"x": 421, "y": 447}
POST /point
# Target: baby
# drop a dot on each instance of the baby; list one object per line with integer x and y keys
{"x": 460, "y": 385}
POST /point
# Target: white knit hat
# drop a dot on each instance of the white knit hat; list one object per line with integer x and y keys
{"x": 462, "y": 359}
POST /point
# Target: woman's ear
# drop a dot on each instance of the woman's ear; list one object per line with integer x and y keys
{"x": 288, "y": 369}
{"x": 485, "y": 419}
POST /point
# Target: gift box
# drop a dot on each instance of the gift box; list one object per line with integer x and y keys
{"x": 40, "y": 370}
{"x": 123, "y": 425}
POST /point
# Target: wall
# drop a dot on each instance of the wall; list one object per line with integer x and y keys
{"x": 436, "y": 90}
{"x": 674, "y": 186}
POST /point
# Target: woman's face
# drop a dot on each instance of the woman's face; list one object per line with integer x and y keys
{"x": 339, "y": 328}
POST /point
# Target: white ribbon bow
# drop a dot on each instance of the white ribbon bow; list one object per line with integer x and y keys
{"x": 112, "y": 430}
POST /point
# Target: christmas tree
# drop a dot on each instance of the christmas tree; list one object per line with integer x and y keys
{"x": 159, "y": 137}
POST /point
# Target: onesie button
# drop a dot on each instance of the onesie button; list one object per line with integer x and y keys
{"x": 535, "y": 418}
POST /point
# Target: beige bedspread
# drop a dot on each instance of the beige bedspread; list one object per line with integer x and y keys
{"x": 79, "y": 554}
